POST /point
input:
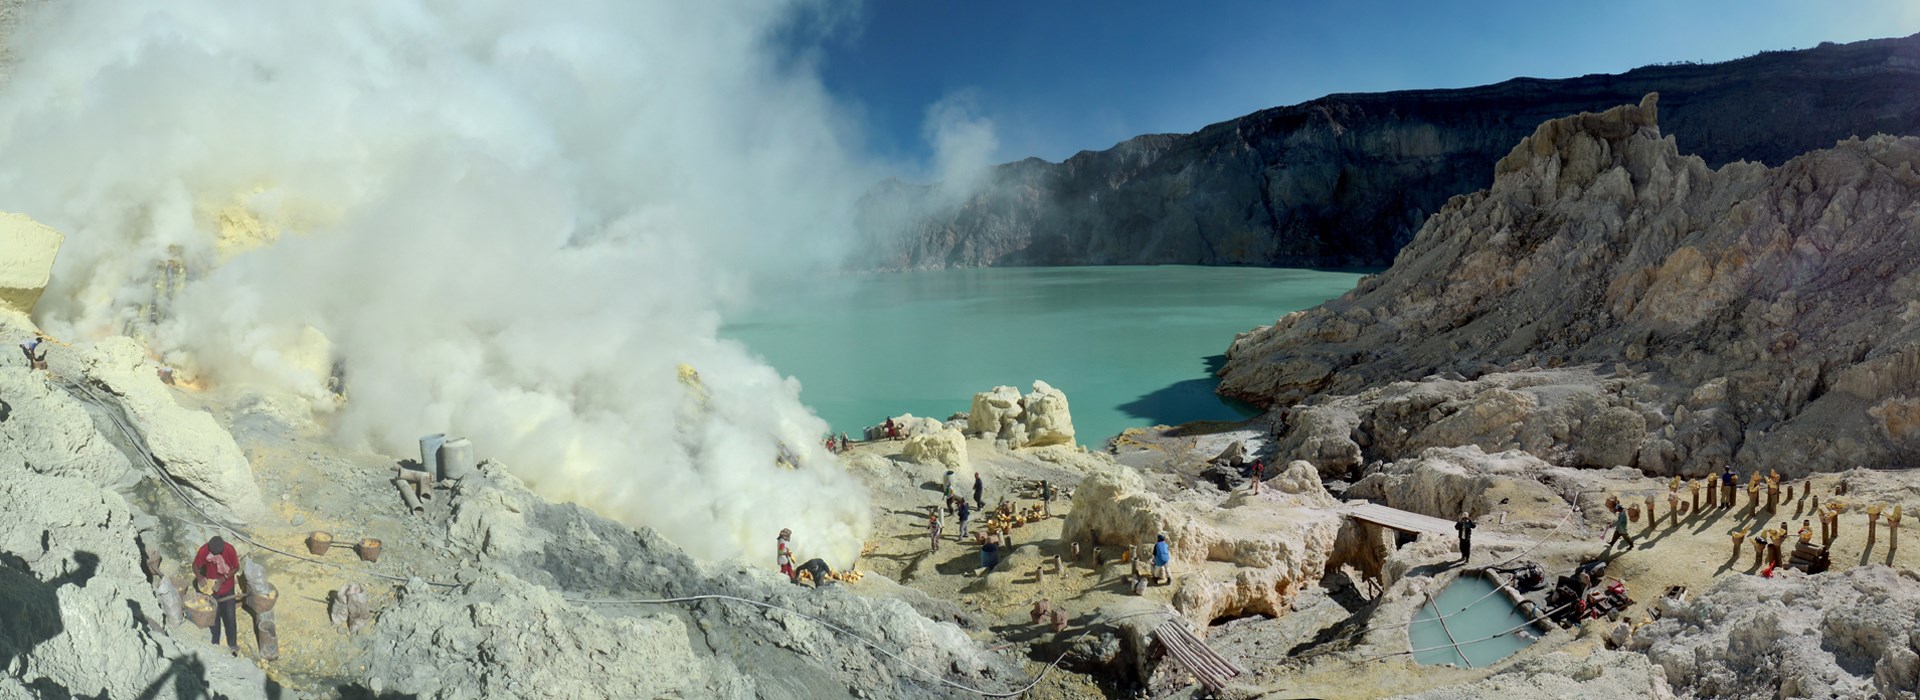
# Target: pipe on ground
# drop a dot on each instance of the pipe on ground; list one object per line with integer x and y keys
{"x": 406, "y": 494}
{"x": 422, "y": 481}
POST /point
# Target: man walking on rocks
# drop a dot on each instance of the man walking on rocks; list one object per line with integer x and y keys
{"x": 216, "y": 564}
{"x": 1259, "y": 474}
{"x": 1465, "y": 528}
{"x": 979, "y": 491}
{"x": 1620, "y": 527}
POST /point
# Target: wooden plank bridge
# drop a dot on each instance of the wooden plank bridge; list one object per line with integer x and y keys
{"x": 1397, "y": 519}
{"x": 1193, "y": 655}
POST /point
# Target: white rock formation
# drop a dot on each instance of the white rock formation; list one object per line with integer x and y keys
{"x": 945, "y": 447}
{"x": 1850, "y": 634}
{"x": 188, "y": 443}
{"x": 1443, "y": 482}
{"x": 1238, "y": 555}
{"x": 1047, "y": 420}
{"x": 27, "y": 250}
{"x": 911, "y": 425}
{"x": 1039, "y": 419}
{"x": 995, "y": 411}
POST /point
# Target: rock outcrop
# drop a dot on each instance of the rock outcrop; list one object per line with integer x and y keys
{"x": 946, "y": 447}
{"x": 49, "y": 431}
{"x": 79, "y": 617}
{"x": 1237, "y": 554}
{"x": 1348, "y": 179}
{"x": 1847, "y": 634}
{"x": 1760, "y": 315}
{"x": 27, "y": 250}
{"x": 189, "y": 444}
{"x": 1039, "y": 419}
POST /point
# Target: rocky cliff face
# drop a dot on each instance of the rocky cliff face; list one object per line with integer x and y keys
{"x": 1765, "y": 316}
{"x": 1346, "y": 180}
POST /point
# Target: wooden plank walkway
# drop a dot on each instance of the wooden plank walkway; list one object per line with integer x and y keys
{"x": 1212, "y": 669}
{"x": 1399, "y": 519}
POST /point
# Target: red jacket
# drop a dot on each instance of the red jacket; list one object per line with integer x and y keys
{"x": 202, "y": 568}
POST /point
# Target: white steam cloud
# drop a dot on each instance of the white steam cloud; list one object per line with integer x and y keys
{"x": 512, "y": 220}
{"x": 964, "y": 141}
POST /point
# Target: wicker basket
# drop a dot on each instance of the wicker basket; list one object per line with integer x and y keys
{"x": 369, "y": 549}
{"x": 200, "y": 609}
{"x": 318, "y": 542}
{"x": 263, "y": 601}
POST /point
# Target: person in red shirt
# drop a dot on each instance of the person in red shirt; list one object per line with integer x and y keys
{"x": 217, "y": 562}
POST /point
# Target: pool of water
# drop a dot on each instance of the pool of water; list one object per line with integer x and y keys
{"x": 1130, "y": 346}
{"x": 1471, "y": 617}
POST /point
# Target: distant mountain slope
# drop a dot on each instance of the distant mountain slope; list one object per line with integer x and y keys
{"x": 1347, "y": 179}
{"x": 1610, "y": 302}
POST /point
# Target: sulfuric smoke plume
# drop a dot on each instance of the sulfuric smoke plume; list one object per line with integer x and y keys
{"x": 512, "y": 221}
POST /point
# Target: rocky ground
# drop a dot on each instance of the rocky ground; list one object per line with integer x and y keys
{"x": 493, "y": 592}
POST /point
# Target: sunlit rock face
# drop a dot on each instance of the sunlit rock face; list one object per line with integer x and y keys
{"x": 27, "y": 251}
{"x": 1234, "y": 554}
{"x": 1611, "y": 302}
{"x": 1348, "y": 179}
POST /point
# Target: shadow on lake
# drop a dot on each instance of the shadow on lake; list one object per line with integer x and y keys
{"x": 1190, "y": 400}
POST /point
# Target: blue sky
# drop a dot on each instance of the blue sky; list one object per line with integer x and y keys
{"x": 1057, "y": 77}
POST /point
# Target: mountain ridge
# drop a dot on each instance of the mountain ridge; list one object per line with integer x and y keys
{"x": 1345, "y": 180}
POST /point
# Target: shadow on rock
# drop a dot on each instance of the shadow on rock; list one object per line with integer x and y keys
{"x": 29, "y": 607}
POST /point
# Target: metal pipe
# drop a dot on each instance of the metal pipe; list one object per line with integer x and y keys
{"x": 422, "y": 481}
{"x": 406, "y": 494}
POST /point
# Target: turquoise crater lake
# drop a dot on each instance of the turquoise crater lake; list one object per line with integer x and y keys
{"x": 1131, "y": 346}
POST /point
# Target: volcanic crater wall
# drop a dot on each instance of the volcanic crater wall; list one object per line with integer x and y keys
{"x": 1346, "y": 180}
{"x": 1611, "y": 302}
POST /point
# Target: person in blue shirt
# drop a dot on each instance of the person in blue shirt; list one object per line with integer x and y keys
{"x": 1161, "y": 556}
{"x": 1726, "y": 484}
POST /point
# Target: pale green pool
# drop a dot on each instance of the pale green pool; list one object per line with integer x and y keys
{"x": 1483, "y": 625}
{"x": 1130, "y": 346}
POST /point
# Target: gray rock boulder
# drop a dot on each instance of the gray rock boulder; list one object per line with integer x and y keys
{"x": 1853, "y": 633}
{"x": 189, "y": 444}
{"x": 79, "y": 616}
